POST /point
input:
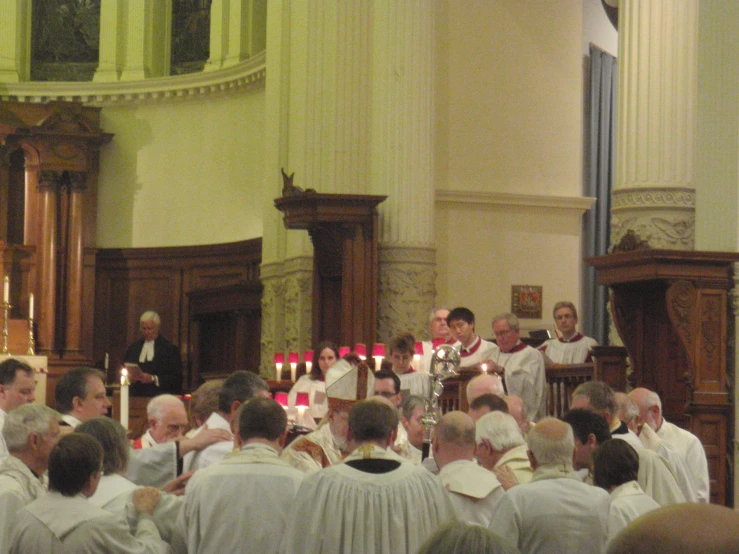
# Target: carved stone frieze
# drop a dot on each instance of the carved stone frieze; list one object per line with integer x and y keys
{"x": 272, "y": 321}
{"x": 663, "y": 217}
{"x": 406, "y": 291}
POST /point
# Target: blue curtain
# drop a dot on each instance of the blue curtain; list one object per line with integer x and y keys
{"x": 599, "y": 174}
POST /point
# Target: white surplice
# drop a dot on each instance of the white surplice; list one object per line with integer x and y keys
{"x": 652, "y": 441}
{"x": 574, "y": 351}
{"x": 693, "y": 454}
{"x": 313, "y": 451}
{"x": 343, "y": 509}
{"x": 115, "y": 494}
{"x": 525, "y": 377}
{"x": 414, "y": 383}
{"x": 82, "y": 528}
{"x": 628, "y": 502}
{"x": 213, "y": 453}
{"x": 18, "y": 487}
{"x": 556, "y": 513}
{"x": 477, "y": 353}
{"x": 3, "y": 447}
{"x": 479, "y": 497}
{"x": 518, "y": 461}
{"x": 239, "y": 504}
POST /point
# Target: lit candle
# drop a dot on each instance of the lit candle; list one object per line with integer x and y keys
{"x": 293, "y": 359}
{"x": 378, "y": 353}
{"x": 361, "y": 351}
{"x": 279, "y": 360}
{"x": 302, "y": 402}
{"x": 124, "y": 398}
{"x": 107, "y": 362}
{"x": 308, "y": 359}
{"x": 30, "y": 306}
{"x": 6, "y": 289}
{"x": 484, "y": 368}
{"x": 417, "y": 356}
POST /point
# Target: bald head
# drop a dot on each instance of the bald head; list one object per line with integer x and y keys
{"x": 649, "y": 405}
{"x": 454, "y": 438}
{"x": 484, "y": 384}
{"x": 551, "y": 442}
{"x": 688, "y": 528}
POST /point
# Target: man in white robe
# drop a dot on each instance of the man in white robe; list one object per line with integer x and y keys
{"x": 521, "y": 366}
{"x": 475, "y": 492}
{"x": 373, "y": 502}
{"x": 473, "y": 350}
{"x": 30, "y": 431}
{"x": 239, "y": 387}
{"x": 17, "y": 387}
{"x": 167, "y": 419}
{"x": 686, "y": 443}
{"x": 484, "y": 384}
{"x": 501, "y": 447}
{"x": 387, "y": 385}
{"x": 555, "y": 512}
{"x": 570, "y": 347}
{"x": 241, "y": 503}
{"x": 440, "y": 334}
{"x": 65, "y": 513}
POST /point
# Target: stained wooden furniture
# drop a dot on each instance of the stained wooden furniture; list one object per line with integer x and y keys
{"x": 343, "y": 228}
{"x": 672, "y": 311}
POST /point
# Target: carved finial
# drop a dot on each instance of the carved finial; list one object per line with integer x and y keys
{"x": 288, "y": 189}
{"x": 629, "y": 242}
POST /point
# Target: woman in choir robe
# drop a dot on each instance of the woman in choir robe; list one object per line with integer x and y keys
{"x": 115, "y": 493}
{"x": 314, "y": 383}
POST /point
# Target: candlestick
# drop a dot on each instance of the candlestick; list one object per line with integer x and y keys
{"x": 31, "y": 351}
{"x": 30, "y": 306}
{"x": 6, "y": 289}
{"x": 124, "y": 397}
{"x": 6, "y": 312}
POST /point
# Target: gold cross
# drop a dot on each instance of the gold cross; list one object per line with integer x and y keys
{"x": 366, "y": 450}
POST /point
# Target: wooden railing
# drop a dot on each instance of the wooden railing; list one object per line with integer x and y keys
{"x": 561, "y": 381}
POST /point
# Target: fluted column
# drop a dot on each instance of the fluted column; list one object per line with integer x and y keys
{"x": 48, "y": 187}
{"x": 75, "y": 261}
{"x": 146, "y": 38}
{"x": 233, "y": 36}
{"x": 15, "y": 40}
{"x": 654, "y": 192}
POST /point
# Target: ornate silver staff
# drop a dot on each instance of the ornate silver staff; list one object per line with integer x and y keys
{"x": 445, "y": 362}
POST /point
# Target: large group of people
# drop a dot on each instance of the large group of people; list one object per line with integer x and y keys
{"x": 501, "y": 477}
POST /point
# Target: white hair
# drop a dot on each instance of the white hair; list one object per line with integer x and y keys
{"x": 156, "y": 406}
{"x": 549, "y": 445}
{"x": 650, "y": 399}
{"x": 627, "y": 408}
{"x": 511, "y": 319}
{"x": 24, "y": 420}
{"x": 150, "y": 316}
{"x": 500, "y": 429}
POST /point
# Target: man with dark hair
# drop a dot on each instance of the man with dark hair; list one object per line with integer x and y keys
{"x": 239, "y": 387}
{"x": 373, "y": 498}
{"x": 590, "y": 430}
{"x": 253, "y": 485}
{"x": 80, "y": 395}
{"x": 64, "y": 517}
{"x": 17, "y": 387}
{"x": 387, "y": 385}
{"x": 485, "y": 404}
{"x": 472, "y": 349}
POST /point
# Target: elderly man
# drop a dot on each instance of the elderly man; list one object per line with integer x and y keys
{"x": 686, "y": 443}
{"x": 222, "y": 497}
{"x": 159, "y": 360}
{"x": 440, "y": 334}
{"x": 628, "y": 411}
{"x": 484, "y": 384}
{"x": 17, "y": 387}
{"x": 239, "y": 387}
{"x": 501, "y": 447}
{"x": 475, "y": 492}
{"x": 521, "y": 366}
{"x": 65, "y": 519}
{"x": 30, "y": 431}
{"x": 555, "y": 512}
{"x": 570, "y": 347}
{"x": 374, "y": 502}
{"x": 167, "y": 421}
{"x": 473, "y": 350}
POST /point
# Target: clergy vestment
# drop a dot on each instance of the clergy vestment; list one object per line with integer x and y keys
{"x": 518, "y": 461}
{"x": 652, "y": 441}
{"x": 82, "y": 528}
{"x": 313, "y": 451}
{"x": 346, "y": 509}
{"x": 115, "y": 495}
{"x": 525, "y": 376}
{"x": 628, "y": 502}
{"x": 240, "y": 504}
{"x": 18, "y": 487}
{"x": 479, "y": 497}
{"x": 166, "y": 364}
{"x": 403, "y": 448}
{"x": 657, "y": 478}
{"x": 478, "y": 351}
{"x": 414, "y": 383}
{"x": 556, "y": 513}
{"x": 573, "y": 351}
{"x": 693, "y": 454}
{"x": 210, "y": 454}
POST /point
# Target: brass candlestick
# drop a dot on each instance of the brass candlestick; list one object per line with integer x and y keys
{"x": 6, "y": 312}
{"x": 31, "y": 342}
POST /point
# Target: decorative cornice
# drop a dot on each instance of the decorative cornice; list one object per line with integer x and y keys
{"x": 579, "y": 204}
{"x": 653, "y": 197}
{"x": 405, "y": 254}
{"x": 245, "y": 75}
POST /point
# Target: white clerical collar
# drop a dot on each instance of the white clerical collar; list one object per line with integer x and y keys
{"x": 147, "y": 351}
{"x": 71, "y": 420}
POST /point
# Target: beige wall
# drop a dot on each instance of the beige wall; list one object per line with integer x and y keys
{"x": 182, "y": 172}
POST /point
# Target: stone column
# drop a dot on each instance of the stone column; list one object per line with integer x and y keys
{"x": 15, "y": 41}
{"x": 233, "y": 37}
{"x": 48, "y": 187}
{"x": 146, "y": 38}
{"x": 75, "y": 261}
{"x": 654, "y": 192}
{"x": 110, "y": 53}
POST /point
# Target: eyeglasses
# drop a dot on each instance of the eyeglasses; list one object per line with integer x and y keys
{"x": 386, "y": 394}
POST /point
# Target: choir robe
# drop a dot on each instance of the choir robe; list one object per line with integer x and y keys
{"x": 115, "y": 494}
{"x": 313, "y": 451}
{"x": 414, "y": 383}
{"x": 574, "y": 351}
{"x": 556, "y": 513}
{"x": 82, "y": 528}
{"x": 344, "y": 509}
{"x": 480, "y": 350}
{"x": 693, "y": 454}
{"x": 518, "y": 461}
{"x": 18, "y": 487}
{"x": 628, "y": 502}
{"x": 240, "y": 504}
{"x": 213, "y": 453}
{"x": 525, "y": 377}
{"x": 479, "y": 497}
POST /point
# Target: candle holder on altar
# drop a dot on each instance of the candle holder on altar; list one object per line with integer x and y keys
{"x": 6, "y": 313}
{"x": 31, "y": 342}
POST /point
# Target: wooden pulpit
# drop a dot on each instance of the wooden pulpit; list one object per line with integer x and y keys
{"x": 673, "y": 313}
{"x": 343, "y": 228}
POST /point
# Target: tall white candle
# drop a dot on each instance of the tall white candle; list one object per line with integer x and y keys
{"x": 107, "y": 362}
{"x": 293, "y": 371}
{"x": 124, "y": 398}
{"x": 278, "y": 372}
{"x": 30, "y": 306}
{"x": 6, "y": 289}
